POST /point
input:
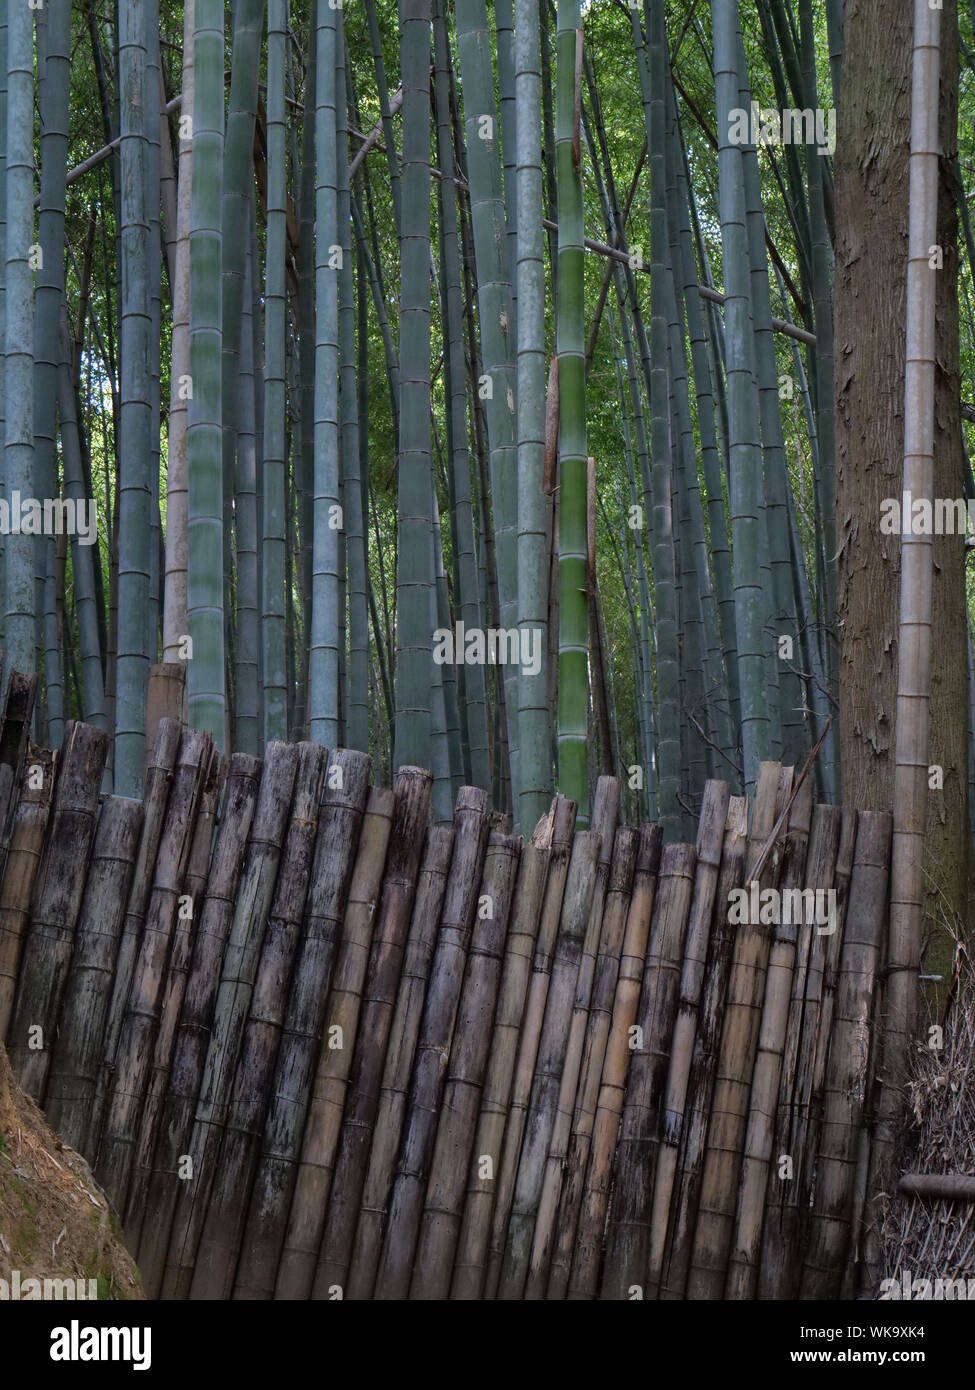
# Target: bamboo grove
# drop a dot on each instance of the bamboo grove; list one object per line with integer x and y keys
{"x": 453, "y": 384}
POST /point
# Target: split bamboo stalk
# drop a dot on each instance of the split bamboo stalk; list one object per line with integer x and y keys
{"x": 412, "y": 788}
{"x": 116, "y": 1151}
{"x": 587, "y": 1253}
{"x": 475, "y": 1233}
{"x": 252, "y": 904}
{"x": 628, "y": 1232}
{"x": 704, "y": 1063}
{"x": 55, "y": 903}
{"x": 193, "y": 1033}
{"x": 563, "y": 817}
{"x": 296, "y": 1268}
{"x": 757, "y": 1157}
{"x": 710, "y": 839}
{"x": 77, "y": 1052}
{"x": 18, "y": 710}
{"x": 831, "y": 967}
{"x": 736, "y": 1057}
{"x": 20, "y": 871}
{"x": 471, "y": 1044}
{"x": 848, "y": 1068}
{"x": 393, "y": 1092}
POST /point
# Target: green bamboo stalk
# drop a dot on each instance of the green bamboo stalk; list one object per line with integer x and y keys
{"x": 3, "y": 296}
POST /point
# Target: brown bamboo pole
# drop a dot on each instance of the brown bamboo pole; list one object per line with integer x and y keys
{"x": 196, "y": 1018}
{"x": 704, "y": 1063}
{"x": 563, "y": 815}
{"x": 18, "y": 710}
{"x": 306, "y": 1219}
{"x": 412, "y": 788}
{"x": 78, "y": 1050}
{"x": 116, "y": 1151}
{"x": 586, "y": 1258}
{"x": 394, "y": 1089}
{"x": 255, "y": 892}
{"x": 20, "y": 871}
{"x": 452, "y": 1151}
{"x": 55, "y": 903}
{"x": 848, "y": 1068}
{"x": 470, "y": 1260}
{"x": 710, "y": 840}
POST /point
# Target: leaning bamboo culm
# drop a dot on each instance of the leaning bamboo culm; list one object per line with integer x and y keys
{"x": 18, "y": 709}
{"x": 470, "y": 1260}
{"x": 56, "y": 899}
{"x": 587, "y": 1253}
{"x": 628, "y": 1232}
{"x": 196, "y": 1017}
{"x": 710, "y": 838}
{"x": 394, "y": 1090}
{"x": 222, "y": 1227}
{"x": 847, "y": 1070}
{"x": 251, "y": 907}
{"x": 77, "y": 1052}
{"x": 452, "y": 1152}
{"x": 471, "y": 829}
{"x": 306, "y": 1219}
{"x": 20, "y": 871}
{"x": 339, "y": 823}
{"x": 412, "y": 788}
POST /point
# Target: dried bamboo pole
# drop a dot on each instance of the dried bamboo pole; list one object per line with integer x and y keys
{"x": 710, "y": 839}
{"x": 584, "y": 1276}
{"x": 193, "y": 1032}
{"x": 116, "y": 1152}
{"x": 427, "y": 1080}
{"x": 412, "y": 788}
{"x": 239, "y": 1150}
{"x": 306, "y": 1220}
{"x": 563, "y": 816}
{"x": 393, "y": 1092}
{"x": 55, "y": 904}
{"x": 831, "y": 967}
{"x": 470, "y": 1260}
{"x": 18, "y": 710}
{"x": 704, "y": 1063}
{"x": 628, "y": 1232}
{"x": 736, "y": 1057}
{"x": 78, "y": 1050}
{"x": 251, "y": 907}
{"x": 848, "y": 1068}
{"x": 780, "y": 1238}
{"x": 452, "y": 1152}
{"x": 619, "y": 891}
{"x": 20, "y": 871}
{"x": 742, "y": 1276}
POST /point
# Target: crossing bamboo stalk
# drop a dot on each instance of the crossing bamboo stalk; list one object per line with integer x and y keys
{"x": 20, "y": 871}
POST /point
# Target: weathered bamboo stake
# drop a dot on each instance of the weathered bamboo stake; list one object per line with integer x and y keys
{"x": 452, "y": 1153}
{"x": 736, "y": 1057}
{"x": 18, "y": 710}
{"x": 586, "y": 1258}
{"x": 628, "y": 1232}
{"x": 704, "y": 1063}
{"x": 239, "y": 1151}
{"x": 55, "y": 903}
{"x": 848, "y": 1068}
{"x": 427, "y": 1080}
{"x": 116, "y": 1152}
{"x": 193, "y": 1033}
{"x": 780, "y": 1238}
{"x": 20, "y": 870}
{"x": 475, "y": 1233}
{"x": 255, "y": 892}
{"x": 710, "y": 838}
{"x": 412, "y": 788}
{"x": 394, "y": 1089}
{"x": 606, "y": 975}
{"x": 604, "y": 820}
{"x": 306, "y": 1220}
{"x": 742, "y": 1277}
{"x": 78, "y": 1050}
{"x": 563, "y": 816}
